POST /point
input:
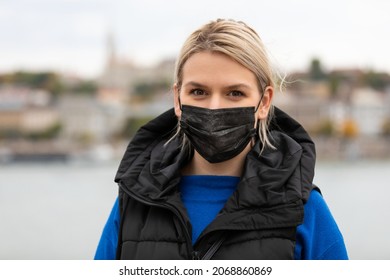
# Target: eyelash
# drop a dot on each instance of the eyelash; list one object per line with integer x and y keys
{"x": 240, "y": 93}
{"x": 194, "y": 92}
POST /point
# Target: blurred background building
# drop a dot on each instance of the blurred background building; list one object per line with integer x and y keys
{"x": 49, "y": 116}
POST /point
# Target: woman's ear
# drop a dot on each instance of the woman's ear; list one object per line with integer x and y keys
{"x": 176, "y": 101}
{"x": 265, "y": 104}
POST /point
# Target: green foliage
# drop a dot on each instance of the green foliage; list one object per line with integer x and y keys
{"x": 386, "y": 127}
{"x": 49, "y": 133}
{"x": 84, "y": 87}
{"x": 85, "y": 138}
{"x": 316, "y": 72}
{"x": 334, "y": 81}
{"x": 41, "y": 80}
{"x": 377, "y": 80}
{"x": 48, "y": 81}
{"x": 325, "y": 128}
{"x": 132, "y": 125}
{"x": 146, "y": 89}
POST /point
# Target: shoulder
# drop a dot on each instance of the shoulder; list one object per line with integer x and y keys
{"x": 316, "y": 201}
{"x": 317, "y": 210}
{"x": 317, "y": 213}
{"x": 106, "y": 249}
{"x": 319, "y": 236}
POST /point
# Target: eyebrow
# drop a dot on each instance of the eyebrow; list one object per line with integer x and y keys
{"x": 195, "y": 84}
{"x": 230, "y": 87}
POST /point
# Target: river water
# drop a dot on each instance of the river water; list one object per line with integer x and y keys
{"x": 58, "y": 210}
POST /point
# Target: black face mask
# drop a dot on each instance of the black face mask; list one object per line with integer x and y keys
{"x": 218, "y": 134}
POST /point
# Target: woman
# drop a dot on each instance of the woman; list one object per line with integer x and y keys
{"x": 224, "y": 174}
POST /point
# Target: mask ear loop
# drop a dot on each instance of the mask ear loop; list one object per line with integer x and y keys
{"x": 257, "y": 107}
{"x": 178, "y": 97}
{"x": 261, "y": 99}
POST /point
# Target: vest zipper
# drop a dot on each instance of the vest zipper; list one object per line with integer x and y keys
{"x": 196, "y": 255}
{"x": 168, "y": 207}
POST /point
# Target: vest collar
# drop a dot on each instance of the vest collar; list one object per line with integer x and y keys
{"x": 277, "y": 181}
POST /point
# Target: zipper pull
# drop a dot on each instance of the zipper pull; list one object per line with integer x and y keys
{"x": 196, "y": 255}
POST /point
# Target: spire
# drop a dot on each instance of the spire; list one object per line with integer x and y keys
{"x": 111, "y": 51}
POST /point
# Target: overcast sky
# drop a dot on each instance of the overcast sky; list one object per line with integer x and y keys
{"x": 70, "y": 35}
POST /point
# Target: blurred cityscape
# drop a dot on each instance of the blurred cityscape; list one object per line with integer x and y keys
{"x": 48, "y": 116}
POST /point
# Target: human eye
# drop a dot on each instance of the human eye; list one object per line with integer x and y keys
{"x": 197, "y": 92}
{"x": 236, "y": 94}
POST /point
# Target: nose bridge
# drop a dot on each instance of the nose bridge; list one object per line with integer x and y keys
{"x": 215, "y": 100}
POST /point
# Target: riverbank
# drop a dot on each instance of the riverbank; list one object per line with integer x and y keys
{"x": 327, "y": 148}
{"x": 368, "y": 148}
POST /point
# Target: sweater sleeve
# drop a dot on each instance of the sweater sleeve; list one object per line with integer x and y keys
{"x": 319, "y": 237}
{"x": 106, "y": 249}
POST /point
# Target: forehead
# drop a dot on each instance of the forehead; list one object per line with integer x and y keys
{"x": 215, "y": 67}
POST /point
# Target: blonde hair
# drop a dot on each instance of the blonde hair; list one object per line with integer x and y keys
{"x": 241, "y": 43}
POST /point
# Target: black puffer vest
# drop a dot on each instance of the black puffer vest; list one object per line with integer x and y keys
{"x": 258, "y": 221}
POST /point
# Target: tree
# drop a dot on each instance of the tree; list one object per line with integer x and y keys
{"x": 315, "y": 71}
{"x": 147, "y": 89}
{"x": 49, "y": 133}
{"x": 48, "y": 81}
{"x": 326, "y": 128}
{"x": 376, "y": 80}
{"x": 334, "y": 82}
{"x": 131, "y": 126}
{"x": 349, "y": 129}
{"x": 386, "y": 127}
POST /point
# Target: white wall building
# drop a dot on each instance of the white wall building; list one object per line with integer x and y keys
{"x": 369, "y": 109}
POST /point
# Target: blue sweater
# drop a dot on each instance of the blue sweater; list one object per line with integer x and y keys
{"x": 318, "y": 238}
